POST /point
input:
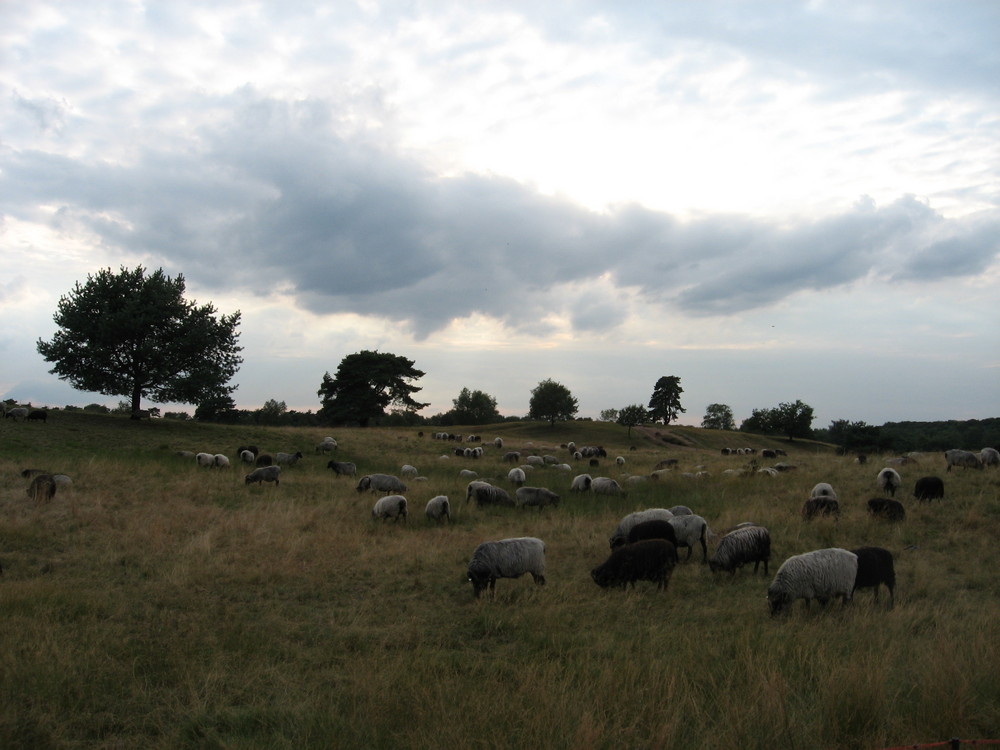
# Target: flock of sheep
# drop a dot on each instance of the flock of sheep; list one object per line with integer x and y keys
{"x": 645, "y": 544}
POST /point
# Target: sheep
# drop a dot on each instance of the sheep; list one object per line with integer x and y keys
{"x": 287, "y": 459}
{"x": 485, "y": 493}
{"x": 408, "y": 472}
{"x": 619, "y": 461}
{"x": 620, "y": 534}
{"x": 498, "y": 443}
{"x": 605, "y": 486}
{"x": 37, "y": 415}
{"x": 34, "y": 472}
{"x": 965, "y": 459}
{"x": 328, "y": 444}
{"x": 656, "y": 529}
{"x": 381, "y": 483}
{"x": 645, "y": 560}
{"x": 18, "y": 412}
{"x": 743, "y": 545}
{"x": 820, "y": 506}
{"x": 887, "y": 508}
{"x": 467, "y": 474}
{"x": 264, "y": 459}
{"x": 929, "y": 488}
{"x": 438, "y": 509}
{"x": 390, "y": 506}
{"x": 247, "y": 456}
{"x": 690, "y": 530}
{"x": 681, "y": 510}
{"x": 534, "y": 461}
{"x": 875, "y": 567}
{"x": 221, "y": 461}
{"x": 581, "y": 483}
{"x": 821, "y": 574}
{"x": 516, "y": 476}
{"x": 205, "y": 459}
{"x": 512, "y": 457}
{"x": 889, "y": 481}
{"x": 252, "y": 448}
{"x": 823, "y": 489}
{"x": 989, "y": 457}
{"x": 42, "y": 488}
{"x": 535, "y": 497}
{"x": 506, "y": 558}
{"x": 264, "y": 474}
{"x": 342, "y": 468}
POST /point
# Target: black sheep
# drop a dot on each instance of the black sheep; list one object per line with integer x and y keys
{"x": 820, "y": 506}
{"x": 655, "y": 529}
{"x": 875, "y": 567}
{"x": 647, "y": 560}
{"x": 929, "y": 488}
{"x": 887, "y": 508}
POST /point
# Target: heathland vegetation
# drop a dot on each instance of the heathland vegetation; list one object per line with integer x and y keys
{"x": 157, "y": 604}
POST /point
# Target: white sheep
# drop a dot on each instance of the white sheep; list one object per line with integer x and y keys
{"x": 535, "y": 461}
{"x": 620, "y": 461}
{"x": 889, "y": 480}
{"x": 328, "y": 444}
{"x": 438, "y": 509}
{"x": 264, "y": 474}
{"x": 485, "y": 493}
{"x": 390, "y": 506}
{"x": 506, "y": 558}
{"x": 823, "y": 489}
{"x": 742, "y": 546}
{"x": 247, "y": 456}
{"x": 408, "y": 472}
{"x": 633, "y": 519}
{"x": 821, "y": 574}
{"x": 467, "y": 474}
{"x": 205, "y": 459}
{"x": 581, "y": 483}
{"x": 605, "y": 486}
{"x": 535, "y": 497}
{"x": 381, "y": 483}
{"x": 690, "y": 530}
{"x": 221, "y": 461}
{"x": 287, "y": 459}
{"x": 516, "y": 476}
{"x": 498, "y": 443}
{"x": 965, "y": 459}
{"x": 989, "y": 457}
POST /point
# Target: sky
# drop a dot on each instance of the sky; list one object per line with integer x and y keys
{"x": 771, "y": 201}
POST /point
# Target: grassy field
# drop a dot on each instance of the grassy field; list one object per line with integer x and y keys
{"x": 159, "y": 605}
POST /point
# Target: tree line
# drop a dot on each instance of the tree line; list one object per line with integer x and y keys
{"x": 133, "y": 334}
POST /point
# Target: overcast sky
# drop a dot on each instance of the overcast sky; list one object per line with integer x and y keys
{"x": 770, "y": 200}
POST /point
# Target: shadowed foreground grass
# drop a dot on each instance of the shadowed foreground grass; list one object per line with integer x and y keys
{"x": 155, "y": 604}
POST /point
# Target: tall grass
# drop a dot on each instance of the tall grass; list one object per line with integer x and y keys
{"x": 155, "y": 604}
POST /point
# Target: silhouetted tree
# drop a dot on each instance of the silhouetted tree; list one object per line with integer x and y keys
{"x": 474, "y": 407}
{"x": 718, "y": 417}
{"x": 665, "y": 403}
{"x": 551, "y": 401}
{"x": 365, "y": 385}
{"x": 631, "y": 416}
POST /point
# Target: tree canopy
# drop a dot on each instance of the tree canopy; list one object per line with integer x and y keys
{"x": 718, "y": 417}
{"x": 365, "y": 385}
{"x": 474, "y": 407}
{"x": 792, "y": 419}
{"x": 665, "y": 403}
{"x": 631, "y": 416}
{"x": 134, "y": 335}
{"x": 551, "y": 402}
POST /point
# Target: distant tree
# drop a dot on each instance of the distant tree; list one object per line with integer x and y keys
{"x": 631, "y": 416}
{"x": 609, "y": 415}
{"x": 218, "y": 407}
{"x": 474, "y": 407}
{"x": 132, "y": 335}
{"x": 665, "y": 403}
{"x": 271, "y": 413}
{"x": 718, "y": 417}
{"x": 851, "y": 436}
{"x": 791, "y": 419}
{"x": 366, "y": 384}
{"x": 760, "y": 421}
{"x": 551, "y": 401}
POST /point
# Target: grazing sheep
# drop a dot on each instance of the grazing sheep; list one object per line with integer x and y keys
{"x": 875, "y": 567}
{"x": 342, "y": 468}
{"x": 506, "y": 558}
{"x": 965, "y": 459}
{"x": 690, "y": 530}
{"x": 264, "y": 459}
{"x": 535, "y": 461}
{"x": 646, "y": 560}
{"x": 287, "y": 459}
{"x": 889, "y": 481}
{"x": 205, "y": 459}
{"x": 247, "y": 456}
{"x": 606, "y": 486}
{"x": 390, "y": 506}
{"x": 989, "y": 457}
{"x": 929, "y": 488}
{"x": 823, "y": 489}
{"x": 467, "y": 474}
{"x": 620, "y": 535}
{"x": 381, "y": 483}
{"x": 581, "y": 483}
{"x": 821, "y": 574}
{"x": 886, "y": 508}
{"x": 516, "y": 476}
{"x": 485, "y": 493}
{"x": 535, "y": 497}
{"x": 221, "y": 461}
{"x": 42, "y": 488}
{"x": 438, "y": 509}
{"x": 409, "y": 472}
{"x": 37, "y": 415}
{"x": 328, "y": 444}
{"x": 655, "y": 529}
{"x": 620, "y": 461}
{"x": 681, "y": 510}
{"x": 743, "y": 545}
{"x": 18, "y": 412}
{"x": 498, "y": 443}
{"x": 264, "y": 474}
{"x": 512, "y": 457}
{"x": 33, "y": 472}
{"x": 251, "y": 448}
{"x": 820, "y": 506}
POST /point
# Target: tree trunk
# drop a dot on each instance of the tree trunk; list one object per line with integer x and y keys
{"x": 136, "y": 399}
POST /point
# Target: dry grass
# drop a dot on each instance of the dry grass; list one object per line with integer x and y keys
{"x": 156, "y": 604}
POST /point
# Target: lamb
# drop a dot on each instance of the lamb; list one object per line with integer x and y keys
{"x": 966, "y": 459}
{"x": 516, "y": 476}
{"x": 287, "y": 459}
{"x": 821, "y": 574}
{"x": 875, "y": 567}
{"x": 605, "y": 486}
{"x": 485, "y": 493}
{"x": 342, "y": 468}
{"x": 381, "y": 483}
{"x": 646, "y": 560}
{"x": 438, "y": 509}
{"x": 221, "y": 461}
{"x": 887, "y": 508}
{"x": 743, "y": 545}
{"x": 989, "y": 457}
{"x": 390, "y": 506}
{"x": 823, "y": 489}
{"x": 889, "y": 480}
{"x": 264, "y": 474}
{"x": 820, "y": 506}
{"x": 620, "y": 535}
{"x": 506, "y": 558}
{"x": 581, "y": 483}
{"x": 535, "y": 497}
{"x": 929, "y": 488}
{"x": 690, "y": 530}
